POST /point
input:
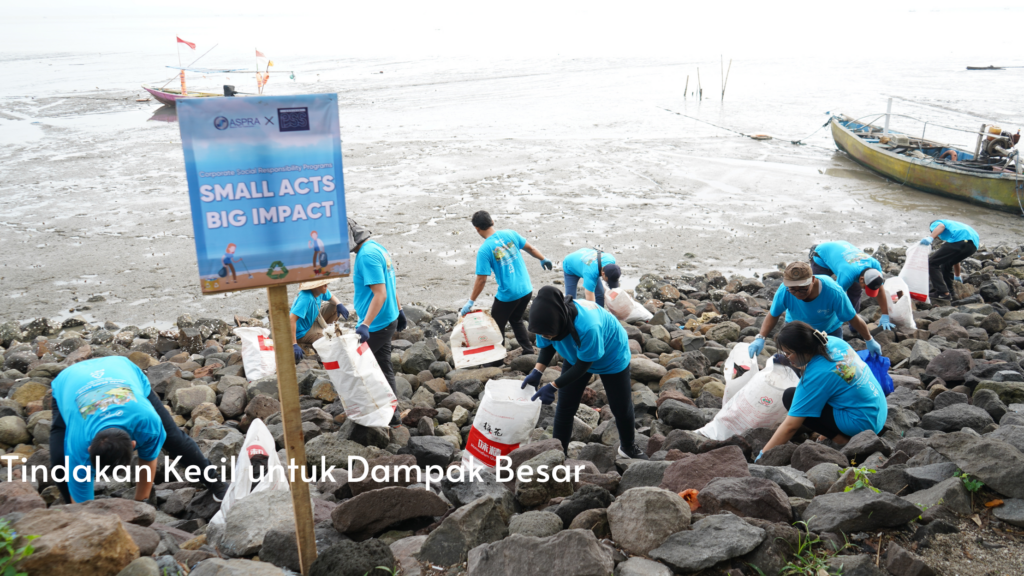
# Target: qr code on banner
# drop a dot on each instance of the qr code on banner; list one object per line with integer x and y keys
{"x": 293, "y": 119}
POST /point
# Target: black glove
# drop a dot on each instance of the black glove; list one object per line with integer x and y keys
{"x": 298, "y": 353}
{"x": 402, "y": 322}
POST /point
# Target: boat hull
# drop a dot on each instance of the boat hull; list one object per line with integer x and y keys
{"x": 171, "y": 98}
{"x": 998, "y": 191}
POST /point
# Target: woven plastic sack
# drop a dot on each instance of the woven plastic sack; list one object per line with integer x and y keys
{"x": 257, "y": 353}
{"x": 476, "y": 340}
{"x": 358, "y": 380}
{"x": 619, "y": 303}
{"x": 756, "y": 405}
{"x": 739, "y": 370}
{"x": 259, "y": 442}
{"x": 915, "y": 271}
{"x": 503, "y": 421}
{"x": 901, "y": 312}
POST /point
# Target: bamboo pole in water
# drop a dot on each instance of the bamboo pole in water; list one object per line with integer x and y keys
{"x": 726, "y": 81}
{"x": 687, "y": 87}
{"x": 700, "y": 91}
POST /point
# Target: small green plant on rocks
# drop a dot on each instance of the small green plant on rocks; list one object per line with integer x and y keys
{"x": 861, "y": 477}
{"x": 9, "y": 555}
{"x": 810, "y": 556}
{"x": 971, "y": 483}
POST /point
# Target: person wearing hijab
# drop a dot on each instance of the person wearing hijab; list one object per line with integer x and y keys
{"x": 590, "y": 341}
{"x": 855, "y": 272}
{"x": 591, "y": 266}
{"x": 838, "y": 396}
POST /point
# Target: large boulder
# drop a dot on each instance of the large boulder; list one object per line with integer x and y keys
{"x": 19, "y": 497}
{"x": 950, "y": 493}
{"x": 354, "y": 559}
{"x": 749, "y": 497}
{"x": 1009, "y": 392}
{"x": 810, "y": 454}
{"x": 641, "y": 519}
{"x": 645, "y": 370}
{"x": 680, "y": 415}
{"x": 568, "y": 553}
{"x": 998, "y": 464}
{"x": 479, "y": 522}
{"x": 956, "y": 417}
{"x": 538, "y": 523}
{"x": 431, "y": 450}
{"x": 863, "y": 445}
{"x": 792, "y": 481}
{"x": 74, "y": 543}
{"x": 696, "y": 471}
{"x": 417, "y": 358}
{"x": 532, "y": 489}
{"x": 235, "y": 567}
{"x": 371, "y": 512}
{"x": 858, "y": 511}
{"x": 643, "y": 473}
{"x": 951, "y": 365}
{"x": 588, "y": 497}
{"x": 710, "y": 541}
{"x": 127, "y": 510}
{"x": 249, "y": 520}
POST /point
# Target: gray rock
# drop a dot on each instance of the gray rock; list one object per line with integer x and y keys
{"x": 417, "y": 358}
{"x": 644, "y": 370}
{"x": 792, "y": 481}
{"x": 860, "y": 565}
{"x": 747, "y": 497}
{"x": 144, "y": 566}
{"x": 810, "y": 454}
{"x": 249, "y": 520}
{"x": 587, "y": 497}
{"x": 951, "y": 365}
{"x": 372, "y": 511}
{"x": 349, "y": 558}
{"x": 710, "y": 541}
{"x": 923, "y": 353}
{"x": 996, "y": 463}
{"x": 900, "y": 562}
{"x": 535, "y": 490}
{"x": 479, "y": 522}
{"x": 637, "y": 566}
{"x": 1011, "y": 512}
{"x": 956, "y": 417}
{"x": 462, "y": 493}
{"x": 681, "y": 416}
{"x": 1011, "y": 434}
{"x": 13, "y": 431}
{"x": 863, "y": 445}
{"x": 568, "y": 553}
{"x": 185, "y": 400}
{"x": 948, "y": 398}
{"x": 858, "y": 511}
{"x": 644, "y": 473}
{"x": 235, "y": 567}
{"x": 642, "y": 518}
{"x": 431, "y": 450}
{"x": 910, "y": 399}
{"x": 924, "y": 477}
{"x": 989, "y": 401}
{"x": 334, "y": 450}
{"x": 540, "y": 524}
{"x": 950, "y": 493}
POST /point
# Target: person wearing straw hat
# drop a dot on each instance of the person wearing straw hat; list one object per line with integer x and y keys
{"x": 855, "y": 271}
{"x": 816, "y": 300}
{"x": 591, "y": 266}
{"x": 314, "y": 308}
{"x": 376, "y": 298}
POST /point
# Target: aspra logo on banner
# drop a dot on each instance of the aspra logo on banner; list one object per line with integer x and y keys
{"x": 223, "y": 123}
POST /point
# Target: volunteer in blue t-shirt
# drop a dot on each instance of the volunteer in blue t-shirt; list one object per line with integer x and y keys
{"x": 816, "y": 300}
{"x": 103, "y": 411}
{"x": 314, "y": 308}
{"x": 838, "y": 396}
{"x": 590, "y": 341}
{"x": 961, "y": 241}
{"x": 501, "y": 254}
{"x": 591, "y": 266}
{"x": 376, "y": 299}
{"x": 855, "y": 272}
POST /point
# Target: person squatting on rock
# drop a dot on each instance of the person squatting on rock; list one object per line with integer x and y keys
{"x": 314, "y": 308}
{"x": 854, "y": 271}
{"x": 815, "y": 300}
{"x": 376, "y": 299}
{"x": 103, "y": 410}
{"x": 591, "y": 266}
{"x": 961, "y": 241}
{"x": 837, "y": 397}
{"x": 590, "y": 341}
{"x": 501, "y": 254}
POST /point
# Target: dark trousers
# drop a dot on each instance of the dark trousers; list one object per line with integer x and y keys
{"x": 380, "y": 345}
{"x": 941, "y": 261}
{"x": 512, "y": 313}
{"x": 620, "y": 399}
{"x": 177, "y": 444}
{"x": 572, "y": 282}
{"x": 824, "y": 424}
{"x": 853, "y": 292}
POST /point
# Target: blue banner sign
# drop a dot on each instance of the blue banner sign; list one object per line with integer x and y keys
{"x": 266, "y": 188}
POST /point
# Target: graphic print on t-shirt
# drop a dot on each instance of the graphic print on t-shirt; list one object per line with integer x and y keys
{"x": 102, "y": 393}
{"x": 505, "y": 253}
{"x": 847, "y": 368}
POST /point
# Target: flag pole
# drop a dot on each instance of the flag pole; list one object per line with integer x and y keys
{"x": 259, "y": 88}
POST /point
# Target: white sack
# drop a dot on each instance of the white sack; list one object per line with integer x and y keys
{"x": 504, "y": 419}
{"x": 915, "y": 271}
{"x": 257, "y": 353}
{"x": 900, "y": 310}
{"x": 258, "y": 442}
{"x": 738, "y": 362}
{"x": 358, "y": 380}
{"x": 756, "y": 405}
{"x": 476, "y": 340}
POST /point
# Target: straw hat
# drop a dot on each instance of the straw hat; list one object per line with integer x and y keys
{"x": 798, "y": 274}
{"x": 315, "y": 284}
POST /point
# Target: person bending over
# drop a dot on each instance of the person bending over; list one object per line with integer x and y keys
{"x": 855, "y": 272}
{"x": 591, "y": 341}
{"x": 314, "y": 308}
{"x": 591, "y": 266}
{"x": 961, "y": 241}
{"x": 837, "y": 397}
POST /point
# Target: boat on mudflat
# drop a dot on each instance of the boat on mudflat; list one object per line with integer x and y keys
{"x": 991, "y": 176}
{"x": 170, "y": 97}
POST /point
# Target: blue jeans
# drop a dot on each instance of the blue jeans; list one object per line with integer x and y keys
{"x": 572, "y": 280}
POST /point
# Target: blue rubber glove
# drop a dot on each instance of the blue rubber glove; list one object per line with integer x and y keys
{"x": 402, "y": 322}
{"x": 532, "y": 379}
{"x": 958, "y": 279}
{"x": 342, "y": 311}
{"x": 546, "y": 264}
{"x": 756, "y": 347}
{"x": 364, "y": 333}
{"x": 885, "y": 323}
{"x": 759, "y": 456}
{"x": 874, "y": 348}
{"x": 298, "y": 353}
{"x": 466, "y": 308}
{"x": 926, "y": 241}
{"x": 546, "y": 394}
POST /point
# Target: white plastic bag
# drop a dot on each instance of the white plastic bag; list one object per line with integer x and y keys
{"x": 476, "y": 340}
{"x": 257, "y": 353}
{"x": 900, "y": 311}
{"x": 504, "y": 420}
{"x": 619, "y": 303}
{"x": 740, "y": 369}
{"x": 915, "y": 271}
{"x": 258, "y": 442}
{"x": 639, "y": 314}
{"x": 358, "y": 380}
{"x": 756, "y": 405}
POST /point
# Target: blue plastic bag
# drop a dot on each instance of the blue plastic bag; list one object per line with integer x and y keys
{"x": 880, "y": 368}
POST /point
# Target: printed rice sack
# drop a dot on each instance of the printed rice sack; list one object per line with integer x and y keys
{"x": 476, "y": 340}
{"x": 503, "y": 421}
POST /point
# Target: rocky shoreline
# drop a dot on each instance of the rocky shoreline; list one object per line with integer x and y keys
{"x": 952, "y": 445}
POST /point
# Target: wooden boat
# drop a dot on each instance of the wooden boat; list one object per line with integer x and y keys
{"x": 984, "y": 68}
{"x": 170, "y": 97}
{"x": 933, "y": 167}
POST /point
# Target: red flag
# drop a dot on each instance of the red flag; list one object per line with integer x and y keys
{"x": 260, "y": 54}
{"x": 191, "y": 45}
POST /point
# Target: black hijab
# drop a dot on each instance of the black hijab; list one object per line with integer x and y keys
{"x": 555, "y": 314}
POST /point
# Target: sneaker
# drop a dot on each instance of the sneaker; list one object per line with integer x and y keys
{"x": 218, "y": 491}
{"x": 633, "y": 452}
{"x": 395, "y": 420}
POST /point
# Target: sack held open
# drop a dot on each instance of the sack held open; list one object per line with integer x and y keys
{"x": 358, "y": 380}
{"x": 257, "y": 353}
{"x": 503, "y": 421}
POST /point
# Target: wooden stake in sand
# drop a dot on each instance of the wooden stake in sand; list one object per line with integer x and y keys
{"x": 687, "y": 87}
{"x": 291, "y": 417}
{"x": 725, "y": 81}
{"x": 700, "y": 91}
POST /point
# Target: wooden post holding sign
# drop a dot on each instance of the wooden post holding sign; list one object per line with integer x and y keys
{"x": 266, "y": 190}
